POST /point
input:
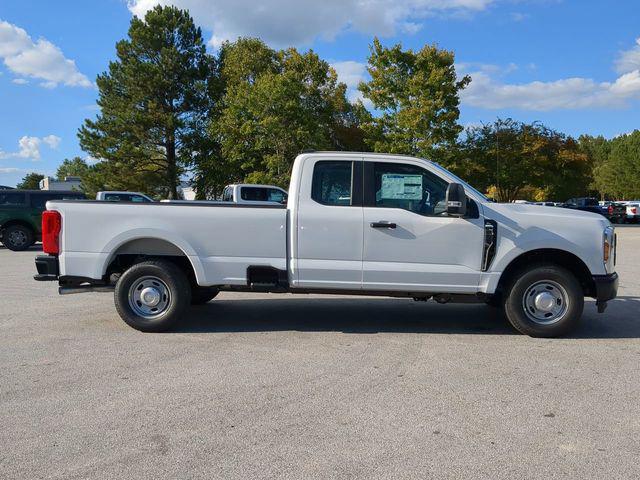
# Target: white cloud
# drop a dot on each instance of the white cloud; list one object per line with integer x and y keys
{"x": 52, "y": 140}
{"x": 29, "y": 147}
{"x": 19, "y": 81}
{"x": 486, "y": 90}
{"x": 629, "y": 60}
{"x": 40, "y": 59}
{"x": 351, "y": 73}
{"x": 569, "y": 93}
{"x": 92, "y": 160}
{"x": 296, "y": 22}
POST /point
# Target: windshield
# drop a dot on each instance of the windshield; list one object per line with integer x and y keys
{"x": 459, "y": 180}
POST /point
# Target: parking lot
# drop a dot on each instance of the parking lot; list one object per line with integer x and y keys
{"x": 265, "y": 386}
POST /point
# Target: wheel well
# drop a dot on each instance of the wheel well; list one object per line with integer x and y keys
{"x": 561, "y": 258}
{"x": 143, "y": 249}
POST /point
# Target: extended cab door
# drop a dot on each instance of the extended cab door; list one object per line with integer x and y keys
{"x": 409, "y": 242}
{"x": 328, "y": 242}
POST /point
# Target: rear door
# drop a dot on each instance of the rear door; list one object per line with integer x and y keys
{"x": 328, "y": 249}
{"x": 409, "y": 242}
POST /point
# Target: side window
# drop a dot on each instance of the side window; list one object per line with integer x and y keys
{"x": 112, "y": 197}
{"x": 409, "y": 187}
{"x": 227, "y": 194}
{"x": 15, "y": 198}
{"x": 254, "y": 194}
{"x": 137, "y": 199}
{"x": 276, "y": 195}
{"x": 332, "y": 183}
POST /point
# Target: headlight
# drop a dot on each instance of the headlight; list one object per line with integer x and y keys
{"x": 608, "y": 247}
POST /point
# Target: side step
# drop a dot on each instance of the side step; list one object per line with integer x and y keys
{"x": 267, "y": 279}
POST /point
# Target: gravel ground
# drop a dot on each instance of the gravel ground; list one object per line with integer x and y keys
{"x": 265, "y": 386}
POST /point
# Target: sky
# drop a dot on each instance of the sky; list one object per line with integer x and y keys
{"x": 571, "y": 64}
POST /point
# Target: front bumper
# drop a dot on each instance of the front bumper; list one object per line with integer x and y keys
{"x": 47, "y": 266}
{"x": 606, "y": 289}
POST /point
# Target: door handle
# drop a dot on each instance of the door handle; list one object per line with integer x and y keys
{"x": 382, "y": 224}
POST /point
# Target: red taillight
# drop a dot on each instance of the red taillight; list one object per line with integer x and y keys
{"x": 634, "y": 210}
{"x": 51, "y": 226}
{"x": 610, "y": 209}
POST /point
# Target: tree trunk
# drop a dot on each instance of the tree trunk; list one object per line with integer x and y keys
{"x": 172, "y": 168}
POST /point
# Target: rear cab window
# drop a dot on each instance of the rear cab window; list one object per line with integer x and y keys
{"x": 332, "y": 183}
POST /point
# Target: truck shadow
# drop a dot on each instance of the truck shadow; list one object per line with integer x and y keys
{"x": 33, "y": 248}
{"x": 383, "y": 315}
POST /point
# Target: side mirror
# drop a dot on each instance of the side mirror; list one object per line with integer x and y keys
{"x": 456, "y": 200}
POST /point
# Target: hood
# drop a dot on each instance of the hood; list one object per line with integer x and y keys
{"x": 540, "y": 212}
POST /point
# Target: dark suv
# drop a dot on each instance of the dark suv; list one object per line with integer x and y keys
{"x": 21, "y": 212}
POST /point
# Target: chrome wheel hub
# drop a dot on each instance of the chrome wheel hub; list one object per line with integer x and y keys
{"x": 149, "y": 297}
{"x": 545, "y": 302}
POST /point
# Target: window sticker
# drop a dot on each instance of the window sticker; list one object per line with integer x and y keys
{"x": 401, "y": 187}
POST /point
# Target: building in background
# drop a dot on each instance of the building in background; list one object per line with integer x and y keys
{"x": 69, "y": 183}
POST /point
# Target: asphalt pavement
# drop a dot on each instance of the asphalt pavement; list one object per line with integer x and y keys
{"x": 314, "y": 387}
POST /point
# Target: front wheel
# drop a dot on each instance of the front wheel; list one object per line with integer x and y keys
{"x": 545, "y": 301}
{"x": 152, "y": 296}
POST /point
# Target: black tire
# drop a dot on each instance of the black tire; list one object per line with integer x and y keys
{"x": 561, "y": 288}
{"x": 18, "y": 237}
{"x": 159, "y": 277}
{"x": 202, "y": 295}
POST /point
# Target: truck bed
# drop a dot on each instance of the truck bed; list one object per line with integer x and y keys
{"x": 221, "y": 240}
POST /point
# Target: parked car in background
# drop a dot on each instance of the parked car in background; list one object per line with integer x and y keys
{"x": 358, "y": 223}
{"x": 633, "y": 211}
{"x": 615, "y": 212}
{"x": 112, "y": 196}
{"x": 254, "y": 194}
{"x": 20, "y": 215}
{"x": 546, "y": 204}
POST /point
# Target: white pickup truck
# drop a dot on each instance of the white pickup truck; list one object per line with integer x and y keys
{"x": 252, "y": 194}
{"x": 355, "y": 223}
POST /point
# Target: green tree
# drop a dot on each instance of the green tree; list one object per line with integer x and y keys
{"x": 616, "y": 165}
{"x": 277, "y": 104}
{"x": 31, "y": 181}
{"x": 622, "y": 168}
{"x": 512, "y": 158}
{"x": 155, "y": 102}
{"x": 598, "y": 150}
{"x": 74, "y": 167}
{"x": 416, "y": 95}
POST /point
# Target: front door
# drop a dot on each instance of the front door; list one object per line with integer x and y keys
{"x": 409, "y": 242}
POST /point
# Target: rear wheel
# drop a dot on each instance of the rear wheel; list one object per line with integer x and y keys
{"x": 545, "y": 301}
{"x": 18, "y": 237}
{"x": 152, "y": 296}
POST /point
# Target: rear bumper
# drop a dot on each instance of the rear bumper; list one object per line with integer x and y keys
{"x": 47, "y": 267}
{"x": 606, "y": 289}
